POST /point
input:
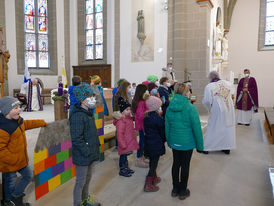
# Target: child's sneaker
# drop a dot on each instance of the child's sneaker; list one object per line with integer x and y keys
{"x": 90, "y": 201}
{"x": 124, "y": 172}
{"x": 141, "y": 163}
{"x": 130, "y": 170}
{"x": 8, "y": 203}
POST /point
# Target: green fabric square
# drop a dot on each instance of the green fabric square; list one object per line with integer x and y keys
{"x": 36, "y": 180}
{"x": 62, "y": 156}
{"x": 95, "y": 116}
{"x": 66, "y": 176}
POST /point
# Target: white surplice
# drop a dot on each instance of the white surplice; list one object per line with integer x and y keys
{"x": 34, "y": 101}
{"x": 220, "y": 133}
{"x": 244, "y": 117}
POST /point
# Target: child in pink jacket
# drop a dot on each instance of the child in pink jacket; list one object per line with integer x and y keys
{"x": 127, "y": 140}
{"x": 139, "y": 108}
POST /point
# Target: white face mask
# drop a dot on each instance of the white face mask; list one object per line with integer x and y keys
{"x": 246, "y": 75}
{"x": 90, "y": 102}
{"x": 157, "y": 83}
{"x": 168, "y": 84}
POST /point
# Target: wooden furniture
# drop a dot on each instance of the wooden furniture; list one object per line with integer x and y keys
{"x": 103, "y": 70}
{"x": 46, "y": 93}
{"x": 269, "y": 123}
{"x": 59, "y": 113}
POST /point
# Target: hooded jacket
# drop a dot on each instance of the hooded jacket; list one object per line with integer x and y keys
{"x": 127, "y": 140}
{"x": 183, "y": 127}
{"x": 84, "y": 137}
{"x": 13, "y": 143}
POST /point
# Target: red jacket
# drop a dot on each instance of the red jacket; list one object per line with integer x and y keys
{"x": 139, "y": 115}
{"x": 127, "y": 140}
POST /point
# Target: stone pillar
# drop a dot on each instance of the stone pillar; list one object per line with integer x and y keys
{"x": 188, "y": 35}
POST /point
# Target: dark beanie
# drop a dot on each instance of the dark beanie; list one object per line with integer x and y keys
{"x": 151, "y": 86}
{"x": 123, "y": 104}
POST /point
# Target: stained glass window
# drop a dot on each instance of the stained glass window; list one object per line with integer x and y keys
{"x": 269, "y": 27}
{"x": 36, "y": 33}
{"x": 94, "y": 30}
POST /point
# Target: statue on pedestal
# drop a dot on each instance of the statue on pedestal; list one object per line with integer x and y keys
{"x": 141, "y": 26}
{"x": 219, "y": 37}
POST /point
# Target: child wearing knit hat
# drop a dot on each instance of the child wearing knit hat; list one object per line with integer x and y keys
{"x": 154, "y": 141}
{"x": 13, "y": 146}
{"x": 127, "y": 140}
{"x": 85, "y": 142}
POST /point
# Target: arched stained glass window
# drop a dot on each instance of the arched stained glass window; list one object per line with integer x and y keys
{"x": 94, "y": 30}
{"x": 36, "y": 33}
{"x": 269, "y": 25}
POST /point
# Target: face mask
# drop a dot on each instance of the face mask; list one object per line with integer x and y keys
{"x": 170, "y": 69}
{"x": 157, "y": 83}
{"x": 154, "y": 92}
{"x": 160, "y": 111}
{"x": 90, "y": 102}
{"x": 146, "y": 94}
{"x": 246, "y": 75}
{"x": 168, "y": 84}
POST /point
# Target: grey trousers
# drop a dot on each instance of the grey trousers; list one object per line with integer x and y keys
{"x": 81, "y": 187}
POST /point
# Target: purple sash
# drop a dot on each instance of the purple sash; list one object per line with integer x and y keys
{"x": 30, "y": 97}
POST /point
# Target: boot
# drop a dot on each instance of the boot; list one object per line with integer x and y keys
{"x": 90, "y": 201}
{"x": 18, "y": 201}
{"x": 156, "y": 179}
{"x": 227, "y": 152}
{"x": 141, "y": 163}
{"x": 8, "y": 203}
{"x": 124, "y": 172}
{"x": 184, "y": 194}
{"x": 149, "y": 187}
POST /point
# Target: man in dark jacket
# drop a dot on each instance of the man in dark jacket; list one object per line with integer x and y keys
{"x": 85, "y": 142}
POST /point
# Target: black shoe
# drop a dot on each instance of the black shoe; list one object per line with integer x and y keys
{"x": 124, "y": 172}
{"x": 9, "y": 203}
{"x": 247, "y": 124}
{"x": 18, "y": 201}
{"x": 205, "y": 152}
{"x": 130, "y": 170}
{"x": 184, "y": 194}
{"x": 174, "y": 192}
{"x": 240, "y": 124}
{"x": 226, "y": 151}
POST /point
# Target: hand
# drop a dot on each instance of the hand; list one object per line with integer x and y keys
{"x": 245, "y": 89}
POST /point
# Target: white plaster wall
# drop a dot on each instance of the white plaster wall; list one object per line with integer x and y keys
{"x": 243, "y": 52}
{"x": 137, "y": 72}
{"x": 16, "y": 80}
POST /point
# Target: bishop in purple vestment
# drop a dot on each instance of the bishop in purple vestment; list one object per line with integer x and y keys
{"x": 247, "y": 98}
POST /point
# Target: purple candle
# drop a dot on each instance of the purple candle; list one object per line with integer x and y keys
{"x": 60, "y": 89}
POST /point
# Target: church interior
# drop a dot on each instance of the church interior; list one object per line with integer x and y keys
{"x": 52, "y": 41}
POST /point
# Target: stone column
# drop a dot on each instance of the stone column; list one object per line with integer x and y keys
{"x": 188, "y": 35}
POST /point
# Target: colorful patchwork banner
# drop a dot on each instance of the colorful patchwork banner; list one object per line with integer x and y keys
{"x": 52, "y": 167}
{"x": 99, "y": 122}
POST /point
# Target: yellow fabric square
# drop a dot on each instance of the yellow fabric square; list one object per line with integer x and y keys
{"x": 41, "y": 155}
{"x": 54, "y": 182}
{"x": 101, "y": 139}
{"x": 98, "y": 123}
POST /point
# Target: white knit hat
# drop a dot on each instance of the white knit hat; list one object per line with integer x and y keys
{"x": 153, "y": 103}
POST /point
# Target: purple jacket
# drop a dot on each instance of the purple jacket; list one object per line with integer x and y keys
{"x": 253, "y": 90}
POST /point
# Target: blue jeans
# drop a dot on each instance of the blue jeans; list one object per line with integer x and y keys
{"x": 140, "y": 151}
{"x": 10, "y": 181}
{"x": 81, "y": 187}
{"x": 123, "y": 162}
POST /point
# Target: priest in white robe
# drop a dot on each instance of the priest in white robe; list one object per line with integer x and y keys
{"x": 33, "y": 91}
{"x": 220, "y": 133}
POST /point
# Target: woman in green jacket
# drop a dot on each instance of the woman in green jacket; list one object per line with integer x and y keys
{"x": 183, "y": 134}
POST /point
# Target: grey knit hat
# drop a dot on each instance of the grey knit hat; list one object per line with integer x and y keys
{"x": 7, "y": 104}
